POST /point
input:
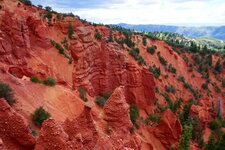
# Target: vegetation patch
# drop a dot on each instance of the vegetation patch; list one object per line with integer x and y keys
{"x": 40, "y": 115}
{"x": 35, "y": 79}
{"x": 70, "y": 30}
{"x": 26, "y": 2}
{"x": 170, "y": 88}
{"x": 65, "y": 44}
{"x": 134, "y": 113}
{"x": 172, "y": 69}
{"x": 97, "y": 35}
{"x": 82, "y": 92}
{"x": 154, "y": 118}
{"x": 61, "y": 50}
{"x": 155, "y": 70}
{"x": 135, "y": 53}
{"x": 144, "y": 40}
{"x": 102, "y": 98}
{"x": 110, "y": 38}
{"x": 162, "y": 60}
{"x": 151, "y": 49}
{"x": 7, "y": 93}
{"x": 48, "y": 81}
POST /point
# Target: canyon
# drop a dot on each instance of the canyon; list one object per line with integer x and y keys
{"x": 99, "y": 66}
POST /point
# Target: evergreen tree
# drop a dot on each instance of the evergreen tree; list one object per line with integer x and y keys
{"x": 211, "y": 143}
{"x": 48, "y": 8}
{"x": 185, "y": 138}
{"x": 221, "y": 144}
{"x": 70, "y": 31}
{"x": 144, "y": 41}
{"x": 110, "y": 38}
{"x": 218, "y": 67}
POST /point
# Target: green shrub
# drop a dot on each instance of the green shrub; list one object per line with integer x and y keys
{"x": 65, "y": 43}
{"x": 48, "y": 15}
{"x": 211, "y": 145}
{"x": 35, "y": 79}
{"x": 166, "y": 96}
{"x": 49, "y": 81}
{"x": 215, "y": 124}
{"x": 128, "y": 40}
{"x": 82, "y": 92}
{"x": 151, "y": 49}
{"x": 184, "y": 116}
{"x": 172, "y": 69}
{"x": 155, "y": 70}
{"x": 40, "y": 6}
{"x": 70, "y": 30}
{"x": 144, "y": 41}
{"x": 58, "y": 46}
{"x": 7, "y": 93}
{"x": 135, "y": 53}
{"x": 223, "y": 83}
{"x": 175, "y": 105}
{"x": 134, "y": 113}
{"x": 181, "y": 78}
{"x": 102, "y": 98}
{"x": 110, "y": 38}
{"x": 185, "y": 58}
{"x": 154, "y": 118}
{"x": 221, "y": 144}
{"x": 170, "y": 88}
{"x": 26, "y": 2}
{"x": 101, "y": 101}
{"x": 185, "y": 138}
{"x": 217, "y": 88}
{"x": 131, "y": 129}
{"x": 205, "y": 86}
{"x": 166, "y": 76}
{"x": 218, "y": 67}
{"x": 40, "y": 115}
{"x": 172, "y": 148}
{"x": 197, "y": 132}
{"x": 97, "y": 35}
{"x": 162, "y": 60}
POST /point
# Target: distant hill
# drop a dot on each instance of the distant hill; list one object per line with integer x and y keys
{"x": 192, "y": 32}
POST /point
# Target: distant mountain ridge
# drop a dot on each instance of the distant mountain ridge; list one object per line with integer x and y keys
{"x": 192, "y": 32}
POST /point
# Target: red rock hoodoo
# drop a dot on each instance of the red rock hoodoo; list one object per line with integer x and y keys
{"x": 33, "y": 45}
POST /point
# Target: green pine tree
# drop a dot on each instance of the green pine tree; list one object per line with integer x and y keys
{"x": 221, "y": 144}
{"x": 70, "y": 31}
{"x": 211, "y": 145}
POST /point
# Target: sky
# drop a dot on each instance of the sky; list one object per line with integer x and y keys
{"x": 165, "y": 12}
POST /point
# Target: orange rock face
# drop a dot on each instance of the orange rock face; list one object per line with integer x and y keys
{"x": 14, "y": 127}
{"x": 52, "y": 136}
{"x": 165, "y": 131}
{"x": 99, "y": 66}
{"x": 84, "y": 132}
{"x": 102, "y": 68}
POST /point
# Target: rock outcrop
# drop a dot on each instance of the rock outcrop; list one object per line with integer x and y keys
{"x": 102, "y": 68}
{"x": 99, "y": 66}
{"x": 14, "y": 127}
{"x": 84, "y": 132}
{"x": 14, "y": 38}
{"x": 169, "y": 130}
{"x": 116, "y": 112}
{"x": 53, "y": 136}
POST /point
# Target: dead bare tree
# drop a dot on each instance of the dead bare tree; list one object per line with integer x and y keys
{"x": 219, "y": 108}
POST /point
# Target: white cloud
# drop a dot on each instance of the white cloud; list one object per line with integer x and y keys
{"x": 152, "y": 11}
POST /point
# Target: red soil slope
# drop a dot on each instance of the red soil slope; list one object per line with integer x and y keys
{"x": 98, "y": 66}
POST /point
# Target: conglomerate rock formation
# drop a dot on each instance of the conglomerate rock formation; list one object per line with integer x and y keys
{"x": 99, "y": 66}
